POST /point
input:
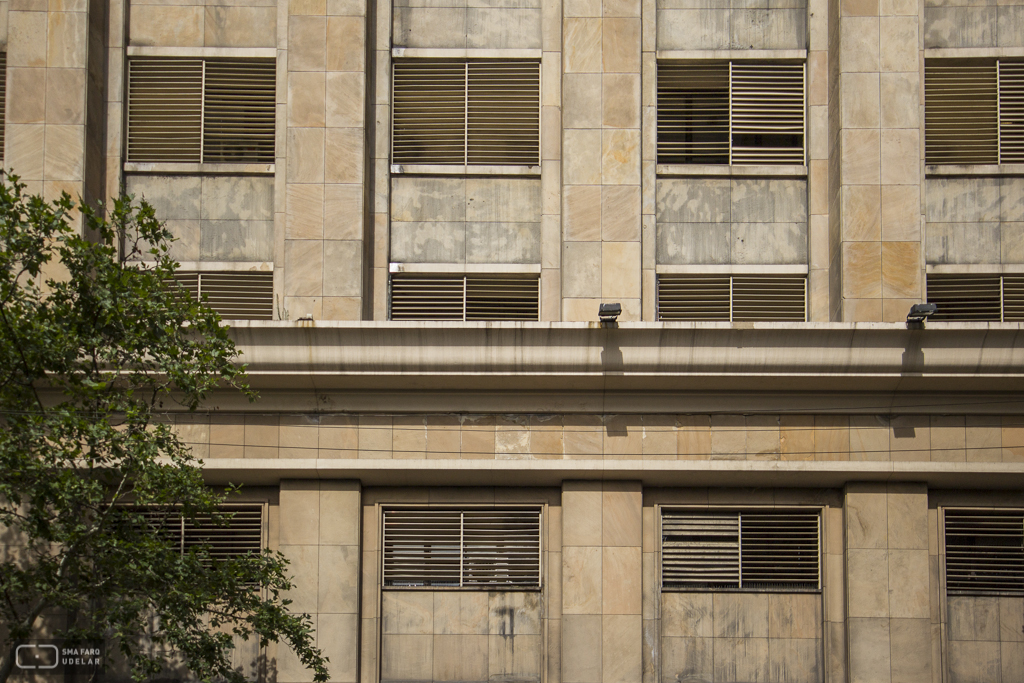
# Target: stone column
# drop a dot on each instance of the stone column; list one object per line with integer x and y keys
{"x": 319, "y": 533}
{"x": 324, "y": 145}
{"x": 46, "y": 96}
{"x": 888, "y": 614}
{"x": 602, "y": 622}
{"x": 601, "y": 254}
{"x": 880, "y": 172}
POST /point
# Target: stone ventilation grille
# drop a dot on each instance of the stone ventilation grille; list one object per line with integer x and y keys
{"x": 977, "y": 298}
{"x": 1011, "y": 112}
{"x": 236, "y": 295}
{"x": 974, "y": 112}
{"x": 742, "y": 113}
{"x": 735, "y": 298}
{"x": 195, "y": 110}
{"x": 238, "y": 111}
{"x": 469, "y": 297}
{"x": 462, "y": 548}
{"x": 242, "y": 535}
{"x": 985, "y": 552}
{"x": 457, "y": 113}
{"x": 775, "y": 550}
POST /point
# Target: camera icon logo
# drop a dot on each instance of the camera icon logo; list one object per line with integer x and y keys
{"x": 37, "y": 657}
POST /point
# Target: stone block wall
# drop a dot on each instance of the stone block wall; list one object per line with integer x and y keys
{"x": 457, "y": 220}
{"x": 737, "y": 25}
{"x": 741, "y": 637}
{"x": 214, "y": 218}
{"x": 461, "y": 636}
{"x": 954, "y": 438}
{"x": 974, "y": 220}
{"x": 732, "y": 221}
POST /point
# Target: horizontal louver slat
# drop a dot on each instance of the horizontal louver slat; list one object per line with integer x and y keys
{"x": 235, "y": 295}
{"x": 239, "y": 111}
{"x": 470, "y": 297}
{"x": 427, "y": 298}
{"x": 965, "y": 297}
{"x": 242, "y": 535}
{"x": 985, "y": 552}
{"x": 1011, "y": 112}
{"x": 503, "y": 109}
{"x": 774, "y": 550}
{"x": 471, "y": 548}
{"x": 960, "y": 111}
{"x": 165, "y": 105}
{"x": 1013, "y": 298}
{"x": 693, "y": 297}
{"x": 492, "y": 298}
{"x": 780, "y": 549}
{"x": 693, "y": 113}
{"x": 768, "y": 298}
{"x": 767, "y": 113}
{"x": 429, "y": 117}
{"x": 700, "y": 551}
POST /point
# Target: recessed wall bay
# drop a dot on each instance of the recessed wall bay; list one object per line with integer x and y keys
{"x": 720, "y": 221}
{"x": 735, "y": 24}
{"x": 214, "y": 218}
{"x": 465, "y": 220}
{"x": 974, "y": 220}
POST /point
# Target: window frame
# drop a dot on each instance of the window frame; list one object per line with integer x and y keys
{"x": 203, "y": 56}
{"x": 538, "y": 586}
{"x": 944, "y": 549}
{"x": 770, "y": 168}
{"x": 434, "y": 167}
{"x": 1013, "y": 91}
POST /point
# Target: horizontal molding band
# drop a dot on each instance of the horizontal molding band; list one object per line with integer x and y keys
{"x": 727, "y": 171}
{"x": 709, "y": 269}
{"x": 531, "y": 268}
{"x": 165, "y": 168}
{"x": 688, "y": 473}
{"x": 741, "y": 55}
{"x": 234, "y": 52}
{"x": 696, "y": 356}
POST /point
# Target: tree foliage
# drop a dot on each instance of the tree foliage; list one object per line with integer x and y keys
{"x": 94, "y": 344}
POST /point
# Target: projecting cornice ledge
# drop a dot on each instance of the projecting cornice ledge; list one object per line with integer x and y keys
{"x": 633, "y": 357}
{"x": 690, "y": 473}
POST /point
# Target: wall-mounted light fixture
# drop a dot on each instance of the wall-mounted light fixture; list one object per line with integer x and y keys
{"x": 917, "y": 315}
{"x": 608, "y": 313}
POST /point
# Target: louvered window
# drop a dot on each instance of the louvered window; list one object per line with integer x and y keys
{"x": 736, "y": 298}
{"x": 201, "y": 110}
{"x": 478, "y": 112}
{"x": 472, "y": 548}
{"x": 242, "y": 535}
{"x": 236, "y": 295}
{"x": 978, "y": 298}
{"x": 974, "y": 111}
{"x": 745, "y": 113}
{"x": 985, "y": 552}
{"x": 463, "y": 297}
{"x": 748, "y": 550}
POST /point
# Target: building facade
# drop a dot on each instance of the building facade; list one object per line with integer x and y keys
{"x": 410, "y": 211}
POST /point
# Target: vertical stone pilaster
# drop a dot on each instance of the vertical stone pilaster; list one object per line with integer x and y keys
{"x": 888, "y": 613}
{"x": 602, "y": 595}
{"x": 601, "y": 197}
{"x": 320, "y": 535}
{"x": 881, "y": 159}
{"x": 380, "y": 191}
{"x": 324, "y": 159}
{"x": 551, "y": 161}
{"x": 47, "y": 64}
{"x": 818, "y": 136}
